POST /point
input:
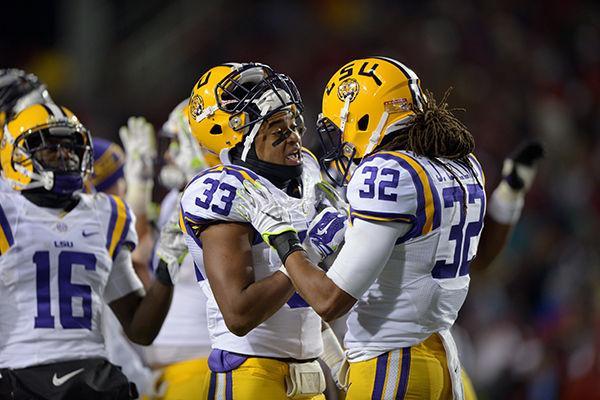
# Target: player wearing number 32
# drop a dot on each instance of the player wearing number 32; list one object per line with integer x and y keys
{"x": 417, "y": 205}
{"x": 63, "y": 255}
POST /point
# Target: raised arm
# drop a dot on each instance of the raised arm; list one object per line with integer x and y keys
{"x": 506, "y": 203}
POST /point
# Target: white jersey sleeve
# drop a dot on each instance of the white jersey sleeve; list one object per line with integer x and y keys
{"x": 393, "y": 187}
{"x": 357, "y": 266}
{"x": 122, "y": 279}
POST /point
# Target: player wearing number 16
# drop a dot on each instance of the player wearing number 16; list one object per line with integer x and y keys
{"x": 417, "y": 205}
{"x": 63, "y": 255}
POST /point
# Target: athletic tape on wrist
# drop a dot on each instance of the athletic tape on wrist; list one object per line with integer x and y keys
{"x": 506, "y": 204}
{"x": 285, "y": 244}
{"x": 162, "y": 273}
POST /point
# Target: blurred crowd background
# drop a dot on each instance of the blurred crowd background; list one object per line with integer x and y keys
{"x": 520, "y": 69}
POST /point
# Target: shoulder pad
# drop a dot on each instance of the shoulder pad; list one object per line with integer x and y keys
{"x": 8, "y": 211}
{"x": 120, "y": 228}
{"x": 212, "y": 195}
{"x": 478, "y": 168}
{"x": 311, "y": 164}
{"x": 393, "y": 186}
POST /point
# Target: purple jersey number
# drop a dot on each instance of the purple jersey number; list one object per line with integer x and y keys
{"x": 66, "y": 290}
{"x": 391, "y": 182}
{"x": 209, "y": 193}
{"x": 458, "y": 234}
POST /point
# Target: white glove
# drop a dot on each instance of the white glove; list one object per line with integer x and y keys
{"x": 328, "y": 194}
{"x": 261, "y": 209}
{"x": 333, "y": 357}
{"x": 518, "y": 173}
{"x": 188, "y": 158}
{"x": 140, "y": 146}
{"x": 171, "y": 248}
{"x": 326, "y": 233}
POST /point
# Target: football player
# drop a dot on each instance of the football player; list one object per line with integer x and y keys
{"x": 18, "y": 90}
{"x": 417, "y": 205}
{"x": 109, "y": 177}
{"x": 265, "y": 338}
{"x": 179, "y": 354}
{"x": 63, "y": 255}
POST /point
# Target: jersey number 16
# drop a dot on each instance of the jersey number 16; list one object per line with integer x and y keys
{"x": 66, "y": 290}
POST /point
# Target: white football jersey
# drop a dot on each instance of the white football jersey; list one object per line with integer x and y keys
{"x": 56, "y": 273}
{"x": 185, "y": 324}
{"x": 4, "y": 185}
{"x": 294, "y": 331}
{"x": 425, "y": 281}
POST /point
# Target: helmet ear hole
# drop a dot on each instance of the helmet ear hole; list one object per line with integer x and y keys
{"x": 216, "y": 130}
{"x": 363, "y": 123}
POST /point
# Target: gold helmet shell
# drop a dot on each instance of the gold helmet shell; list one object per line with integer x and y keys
{"x": 37, "y": 123}
{"x": 365, "y": 100}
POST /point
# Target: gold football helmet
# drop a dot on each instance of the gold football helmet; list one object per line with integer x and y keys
{"x": 229, "y": 100}
{"x": 19, "y": 90}
{"x": 364, "y": 101}
{"x": 46, "y": 146}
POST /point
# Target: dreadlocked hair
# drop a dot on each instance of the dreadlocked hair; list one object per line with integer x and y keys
{"x": 433, "y": 132}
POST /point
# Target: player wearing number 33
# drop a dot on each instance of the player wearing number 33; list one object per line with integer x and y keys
{"x": 417, "y": 205}
{"x": 63, "y": 255}
{"x": 265, "y": 338}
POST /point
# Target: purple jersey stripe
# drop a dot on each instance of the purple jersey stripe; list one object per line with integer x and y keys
{"x": 228, "y": 386}
{"x": 203, "y": 173}
{"x": 437, "y": 207}
{"x": 199, "y": 276}
{"x": 237, "y": 168}
{"x": 196, "y": 219}
{"x": 190, "y": 232}
{"x": 380, "y": 376}
{"x": 420, "y": 217}
{"x": 404, "y": 373}
{"x": 382, "y": 215}
{"x": 420, "y": 213}
{"x": 112, "y": 221}
{"x": 125, "y": 231}
{"x": 211, "y": 387}
{"x": 6, "y": 228}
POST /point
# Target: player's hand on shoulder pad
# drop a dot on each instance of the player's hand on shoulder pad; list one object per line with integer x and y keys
{"x": 326, "y": 232}
{"x": 259, "y": 207}
{"x": 327, "y": 194}
{"x": 171, "y": 250}
{"x": 520, "y": 167}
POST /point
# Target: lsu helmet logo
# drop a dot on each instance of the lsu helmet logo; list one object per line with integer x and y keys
{"x": 349, "y": 87}
{"x": 196, "y": 106}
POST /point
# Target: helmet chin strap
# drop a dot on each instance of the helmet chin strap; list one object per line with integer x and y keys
{"x": 250, "y": 138}
{"x": 374, "y": 139}
{"x": 42, "y": 180}
{"x": 61, "y": 185}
